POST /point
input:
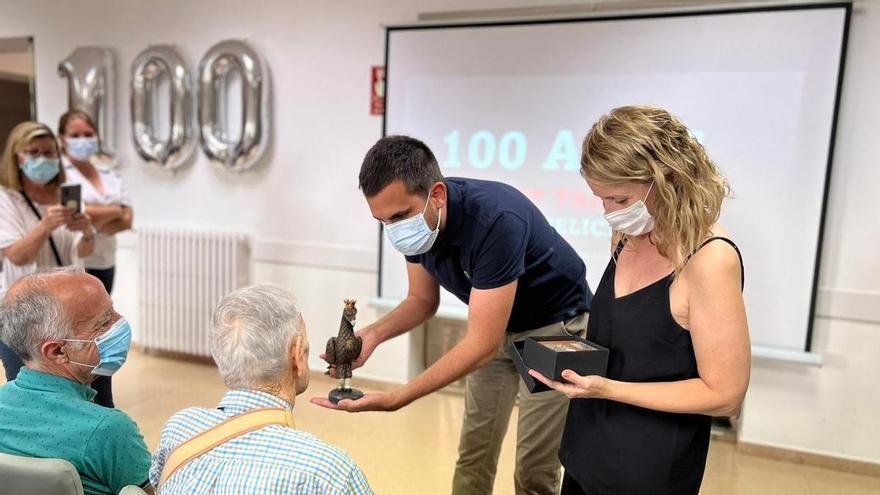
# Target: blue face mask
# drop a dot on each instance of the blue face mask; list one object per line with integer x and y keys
{"x": 40, "y": 169}
{"x": 83, "y": 148}
{"x": 413, "y": 236}
{"x": 112, "y": 347}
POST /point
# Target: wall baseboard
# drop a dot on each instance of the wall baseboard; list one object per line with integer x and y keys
{"x": 842, "y": 464}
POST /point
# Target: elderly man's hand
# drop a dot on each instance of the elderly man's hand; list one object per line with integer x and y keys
{"x": 379, "y": 401}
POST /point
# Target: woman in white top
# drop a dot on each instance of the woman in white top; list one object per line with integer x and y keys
{"x": 102, "y": 191}
{"x": 36, "y": 231}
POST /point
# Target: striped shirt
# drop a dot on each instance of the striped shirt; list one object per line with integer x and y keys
{"x": 272, "y": 460}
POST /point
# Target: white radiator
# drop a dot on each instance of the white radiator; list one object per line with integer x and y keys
{"x": 182, "y": 277}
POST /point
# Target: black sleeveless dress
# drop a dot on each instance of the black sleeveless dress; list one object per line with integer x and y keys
{"x": 614, "y": 448}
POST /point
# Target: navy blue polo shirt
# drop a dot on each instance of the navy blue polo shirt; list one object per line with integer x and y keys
{"x": 494, "y": 235}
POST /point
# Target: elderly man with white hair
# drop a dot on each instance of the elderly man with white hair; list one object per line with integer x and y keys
{"x": 66, "y": 331}
{"x": 249, "y": 443}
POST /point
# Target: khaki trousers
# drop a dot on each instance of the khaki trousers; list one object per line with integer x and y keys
{"x": 490, "y": 393}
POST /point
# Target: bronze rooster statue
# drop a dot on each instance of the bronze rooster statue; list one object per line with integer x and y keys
{"x": 342, "y": 351}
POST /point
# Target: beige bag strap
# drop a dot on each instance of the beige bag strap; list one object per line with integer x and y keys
{"x": 231, "y": 428}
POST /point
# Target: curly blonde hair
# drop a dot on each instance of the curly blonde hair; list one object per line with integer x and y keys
{"x": 648, "y": 144}
{"x": 20, "y": 136}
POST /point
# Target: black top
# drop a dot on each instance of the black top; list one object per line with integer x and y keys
{"x": 495, "y": 235}
{"x": 614, "y": 448}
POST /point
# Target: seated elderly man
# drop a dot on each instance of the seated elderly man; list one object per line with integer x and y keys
{"x": 63, "y": 326}
{"x": 249, "y": 443}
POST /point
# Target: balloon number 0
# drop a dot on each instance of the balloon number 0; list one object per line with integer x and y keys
{"x": 214, "y": 71}
{"x": 147, "y": 70}
{"x": 90, "y": 71}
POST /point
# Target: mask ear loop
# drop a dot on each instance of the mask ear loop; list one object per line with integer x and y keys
{"x": 439, "y": 216}
{"x": 439, "y": 211}
{"x": 651, "y": 233}
{"x": 71, "y": 361}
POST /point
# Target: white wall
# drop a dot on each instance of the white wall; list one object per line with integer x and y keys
{"x": 314, "y": 231}
{"x": 833, "y": 409}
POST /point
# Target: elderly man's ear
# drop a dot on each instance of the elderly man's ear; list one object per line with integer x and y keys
{"x": 53, "y": 352}
{"x": 298, "y": 359}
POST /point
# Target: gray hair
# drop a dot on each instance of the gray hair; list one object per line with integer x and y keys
{"x": 252, "y": 329}
{"x": 31, "y": 315}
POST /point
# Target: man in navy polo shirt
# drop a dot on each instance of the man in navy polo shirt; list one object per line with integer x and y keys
{"x": 491, "y": 247}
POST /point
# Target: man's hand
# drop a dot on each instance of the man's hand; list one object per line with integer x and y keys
{"x": 370, "y": 342}
{"x": 379, "y": 401}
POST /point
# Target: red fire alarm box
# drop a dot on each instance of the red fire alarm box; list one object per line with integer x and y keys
{"x": 377, "y": 90}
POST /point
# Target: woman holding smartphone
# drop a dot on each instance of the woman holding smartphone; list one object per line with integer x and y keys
{"x": 103, "y": 192}
{"x": 36, "y": 231}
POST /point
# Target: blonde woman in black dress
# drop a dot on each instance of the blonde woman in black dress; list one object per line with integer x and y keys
{"x": 669, "y": 308}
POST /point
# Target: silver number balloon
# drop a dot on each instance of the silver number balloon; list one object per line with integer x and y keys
{"x": 91, "y": 78}
{"x": 148, "y": 68}
{"x": 243, "y": 152}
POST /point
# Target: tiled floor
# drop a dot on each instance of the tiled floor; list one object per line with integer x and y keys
{"x": 413, "y": 451}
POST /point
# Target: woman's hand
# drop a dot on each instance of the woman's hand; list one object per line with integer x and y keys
{"x": 578, "y": 387}
{"x": 81, "y": 222}
{"x": 56, "y": 216}
{"x": 102, "y": 215}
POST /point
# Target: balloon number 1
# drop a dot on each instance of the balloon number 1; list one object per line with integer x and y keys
{"x": 90, "y": 87}
{"x": 170, "y": 144}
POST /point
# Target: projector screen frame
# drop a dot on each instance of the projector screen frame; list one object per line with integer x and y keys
{"x": 846, "y": 5}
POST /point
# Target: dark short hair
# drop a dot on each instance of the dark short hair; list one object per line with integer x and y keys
{"x": 402, "y": 158}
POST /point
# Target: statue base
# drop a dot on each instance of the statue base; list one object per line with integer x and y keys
{"x": 339, "y": 394}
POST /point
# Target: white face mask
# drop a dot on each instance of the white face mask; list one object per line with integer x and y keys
{"x": 413, "y": 236}
{"x": 634, "y": 219}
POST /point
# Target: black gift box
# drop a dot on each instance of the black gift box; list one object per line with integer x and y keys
{"x": 552, "y": 363}
{"x": 516, "y": 354}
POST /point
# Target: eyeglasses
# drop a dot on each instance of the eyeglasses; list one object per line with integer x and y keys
{"x": 36, "y": 154}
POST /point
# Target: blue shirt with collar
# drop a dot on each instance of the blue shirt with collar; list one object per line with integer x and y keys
{"x": 494, "y": 235}
{"x": 49, "y": 416}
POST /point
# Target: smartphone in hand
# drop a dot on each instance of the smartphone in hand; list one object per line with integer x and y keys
{"x": 71, "y": 197}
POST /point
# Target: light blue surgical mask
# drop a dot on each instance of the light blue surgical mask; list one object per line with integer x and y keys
{"x": 40, "y": 169}
{"x": 112, "y": 347}
{"x": 83, "y": 148}
{"x": 413, "y": 236}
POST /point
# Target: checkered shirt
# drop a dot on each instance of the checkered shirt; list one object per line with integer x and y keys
{"x": 272, "y": 460}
